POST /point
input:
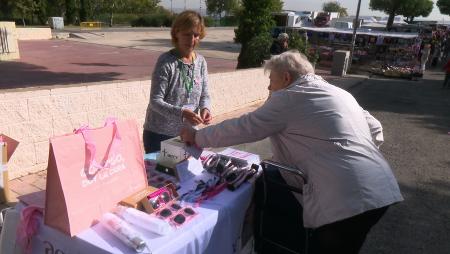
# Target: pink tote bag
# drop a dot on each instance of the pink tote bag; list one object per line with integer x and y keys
{"x": 89, "y": 172}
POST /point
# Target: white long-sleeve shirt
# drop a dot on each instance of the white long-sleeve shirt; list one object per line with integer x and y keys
{"x": 320, "y": 129}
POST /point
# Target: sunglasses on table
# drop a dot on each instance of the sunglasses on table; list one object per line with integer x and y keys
{"x": 178, "y": 217}
{"x": 159, "y": 198}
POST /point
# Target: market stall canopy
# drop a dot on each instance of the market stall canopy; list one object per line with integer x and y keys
{"x": 374, "y": 25}
{"x": 397, "y": 20}
{"x": 362, "y": 32}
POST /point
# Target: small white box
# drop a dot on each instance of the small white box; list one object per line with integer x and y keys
{"x": 172, "y": 151}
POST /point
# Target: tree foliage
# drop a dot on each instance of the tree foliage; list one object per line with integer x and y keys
{"x": 255, "y": 23}
{"x": 217, "y": 7}
{"x": 444, "y": 6}
{"x": 335, "y": 6}
{"x": 416, "y": 8}
{"x": 25, "y": 8}
{"x": 73, "y": 11}
{"x": 6, "y": 9}
{"x": 70, "y": 11}
{"x": 401, "y": 7}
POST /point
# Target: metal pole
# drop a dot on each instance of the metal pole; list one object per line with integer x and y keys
{"x": 355, "y": 26}
{"x": 184, "y": 4}
{"x": 171, "y": 6}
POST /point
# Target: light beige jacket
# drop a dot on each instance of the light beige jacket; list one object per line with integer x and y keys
{"x": 320, "y": 129}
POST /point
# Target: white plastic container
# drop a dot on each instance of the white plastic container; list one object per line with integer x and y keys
{"x": 144, "y": 221}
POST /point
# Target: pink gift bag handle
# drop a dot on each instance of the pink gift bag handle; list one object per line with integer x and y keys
{"x": 91, "y": 150}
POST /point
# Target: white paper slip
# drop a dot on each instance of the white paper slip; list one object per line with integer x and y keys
{"x": 188, "y": 169}
{"x": 194, "y": 151}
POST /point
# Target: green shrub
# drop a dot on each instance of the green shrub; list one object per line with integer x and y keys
{"x": 123, "y": 18}
{"x": 257, "y": 50}
{"x": 298, "y": 42}
{"x": 229, "y": 21}
{"x": 154, "y": 20}
{"x": 209, "y": 21}
{"x": 253, "y": 32}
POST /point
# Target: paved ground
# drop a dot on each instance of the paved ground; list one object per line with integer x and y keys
{"x": 59, "y": 62}
{"x": 416, "y": 122}
{"x": 218, "y": 43}
{"x": 107, "y": 55}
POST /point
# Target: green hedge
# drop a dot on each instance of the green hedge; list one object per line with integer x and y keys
{"x": 224, "y": 21}
{"x": 209, "y": 21}
{"x": 118, "y": 18}
{"x": 154, "y": 20}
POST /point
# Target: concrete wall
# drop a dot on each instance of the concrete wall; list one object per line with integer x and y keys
{"x": 44, "y": 33}
{"x": 32, "y": 116}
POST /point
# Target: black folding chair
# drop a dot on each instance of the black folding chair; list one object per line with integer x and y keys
{"x": 278, "y": 214}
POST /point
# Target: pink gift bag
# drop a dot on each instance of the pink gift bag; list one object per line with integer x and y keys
{"x": 89, "y": 172}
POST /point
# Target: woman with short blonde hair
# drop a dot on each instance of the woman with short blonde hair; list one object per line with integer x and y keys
{"x": 185, "y": 21}
{"x": 179, "y": 91}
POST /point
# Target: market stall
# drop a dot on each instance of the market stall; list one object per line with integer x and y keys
{"x": 199, "y": 207}
{"x": 392, "y": 54}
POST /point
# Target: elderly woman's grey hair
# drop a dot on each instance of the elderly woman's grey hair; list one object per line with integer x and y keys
{"x": 292, "y": 61}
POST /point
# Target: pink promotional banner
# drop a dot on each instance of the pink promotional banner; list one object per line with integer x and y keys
{"x": 89, "y": 172}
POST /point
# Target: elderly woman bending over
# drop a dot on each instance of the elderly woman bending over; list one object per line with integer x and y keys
{"x": 179, "y": 89}
{"x": 321, "y": 129}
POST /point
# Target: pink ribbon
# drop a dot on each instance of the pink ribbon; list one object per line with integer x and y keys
{"x": 92, "y": 166}
{"x": 28, "y": 226}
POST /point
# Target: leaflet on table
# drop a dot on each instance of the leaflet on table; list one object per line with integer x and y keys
{"x": 188, "y": 169}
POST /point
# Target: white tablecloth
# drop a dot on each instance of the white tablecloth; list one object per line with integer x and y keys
{"x": 216, "y": 229}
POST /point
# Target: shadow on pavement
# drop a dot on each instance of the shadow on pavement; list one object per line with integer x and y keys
{"x": 416, "y": 119}
{"x": 417, "y": 225}
{"x": 21, "y": 75}
{"x": 424, "y": 100}
{"x": 99, "y": 64}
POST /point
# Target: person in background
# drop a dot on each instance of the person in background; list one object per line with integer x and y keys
{"x": 425, "y": 54}
{"x": 179, "y": 91}
{"x": 322, "y": 130}
{"x": 447, "y": 75}
{"x": 280, "y": 45}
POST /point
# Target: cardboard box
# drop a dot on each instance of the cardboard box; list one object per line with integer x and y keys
{"x": 7, "y": 148}
{"x": 134, "y": 200}
{"x": 172, "y": 152}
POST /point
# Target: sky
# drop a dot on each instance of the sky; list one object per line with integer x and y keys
{"x": 308, "y": 5}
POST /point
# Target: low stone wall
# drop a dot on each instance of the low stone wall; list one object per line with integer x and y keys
{"x": 24, "y": 33}
{"x": 32, "y": 116}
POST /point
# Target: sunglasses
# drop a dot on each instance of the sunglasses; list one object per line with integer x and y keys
{"x": 159, "y": 198}
{"x": 181, "y": 216}
{"x": 221, "y": 164}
